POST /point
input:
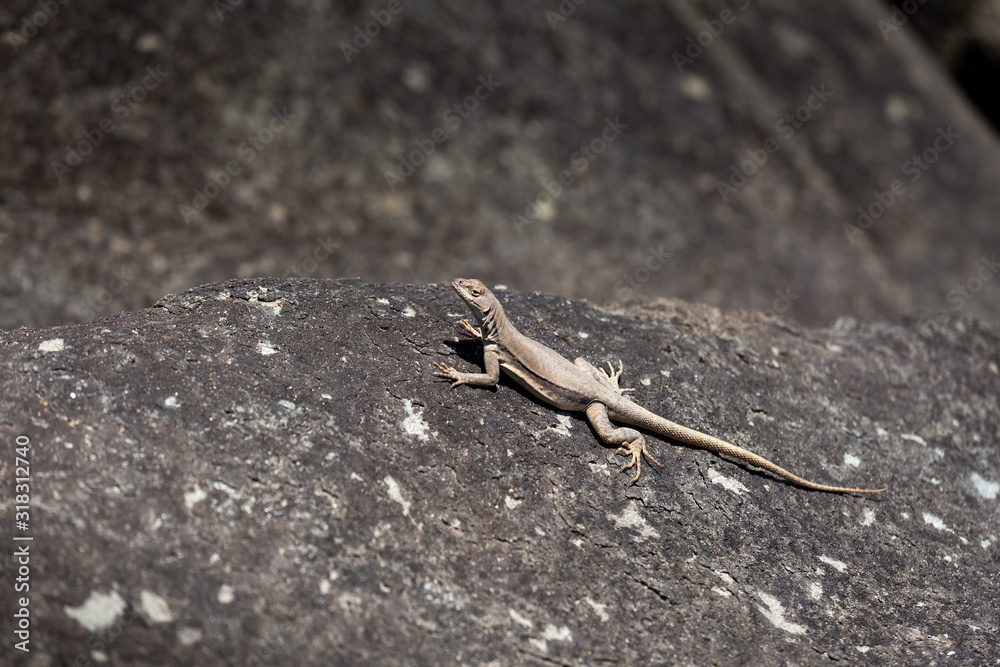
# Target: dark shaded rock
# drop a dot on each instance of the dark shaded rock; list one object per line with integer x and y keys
{"x": 111, "y": 234}
{"x": 265, "y": 472}
{"x": 966, "y": 36}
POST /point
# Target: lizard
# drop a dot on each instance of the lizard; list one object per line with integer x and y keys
{"x": 581, "y": 387}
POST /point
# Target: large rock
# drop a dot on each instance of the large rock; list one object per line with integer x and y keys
{"x": 266, "y": 472}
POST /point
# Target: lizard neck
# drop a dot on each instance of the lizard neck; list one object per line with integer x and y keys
{"x": 496, "y": 326}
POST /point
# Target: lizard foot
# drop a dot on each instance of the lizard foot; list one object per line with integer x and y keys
{"x": 448, "y": 373}
{"x": 475, "y": 332}
{"x": 614, "y": 375}
{"x": 636, "y": 449}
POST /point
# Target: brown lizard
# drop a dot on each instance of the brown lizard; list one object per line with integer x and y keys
{"x": 580, "y": 387}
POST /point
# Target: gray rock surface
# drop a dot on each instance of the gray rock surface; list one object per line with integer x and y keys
{"x": 109, "y": 235}
{"x": 265, "y": 472}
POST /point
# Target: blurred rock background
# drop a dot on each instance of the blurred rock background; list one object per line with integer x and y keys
{"x": 151, "y": 147}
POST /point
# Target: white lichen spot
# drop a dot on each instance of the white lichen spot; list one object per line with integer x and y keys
{"x": 839, "y": 566}
{"x": 414, "y": 423}
{"x": 775, "y": 613}
{"x": 913, "y": 438}
{"x": 725, "y": 577}
{"x": 565, "y": 422}
{"x": 154, "y": 608}
{"x": 551, "y": 633}
{"x": 852, "y": 460}
{"x": 288, "y": 405}
{"x": 511, "y": 503}
{"x": 986, "y": 488}
{"x": 868, "y": 517}
{"x": 171, "y": 402}
{"x": 554, "y": 634}
{"x": 521, "y": 620}
{"x": 383, "y": 301}
{"x": 193, "y": 497}
{"x": 985, "y": 543}
{"x": 936, "y": 522}
{"x": 721, "y": 591}
{"x": 645, "y": 382}
{"x": 222, "y": 296}
{"x": 272, "y": 308}
{"x": 733, "y": 485}
{"x": 265, "y": 348}
{"x": 583, "y": 334}
{"x": 599, "y": 609}
{"x": 392, "y": 488}
{"x": 631, "y": 518}
{"x": 189, "y": 636}
{"x": 408, "y": 312}
{"x": 862, "y": 649}
{"x": 814, "y": 590}
{"x": 51, "y": 345}
{"x": 98, "y": 611}
{"x": 226, "y": 594}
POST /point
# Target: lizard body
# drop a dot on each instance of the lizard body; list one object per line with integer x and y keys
{"x": 580, "y": 387}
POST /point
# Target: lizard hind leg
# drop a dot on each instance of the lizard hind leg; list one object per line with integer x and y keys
{"x": 630, "y": 442}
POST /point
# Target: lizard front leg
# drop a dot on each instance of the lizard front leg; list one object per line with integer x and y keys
{"x": 489, "y": 379}
{"x": 630, "y": 442}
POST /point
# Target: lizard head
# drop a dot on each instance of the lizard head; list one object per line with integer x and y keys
{"x": 480, "y": 300}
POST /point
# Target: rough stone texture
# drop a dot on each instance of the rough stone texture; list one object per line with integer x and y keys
{"x": 265, "y": 472}
{"x": 109, "y": 236}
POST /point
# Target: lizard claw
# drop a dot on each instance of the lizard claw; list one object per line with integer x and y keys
{"x": 636, "y": 449}
{"x": 447, "y": 372}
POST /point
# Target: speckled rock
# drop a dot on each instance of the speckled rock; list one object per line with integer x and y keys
{"x": 266, "y": 472}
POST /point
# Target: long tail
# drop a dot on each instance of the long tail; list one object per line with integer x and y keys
{"x": 636, "y": 415}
